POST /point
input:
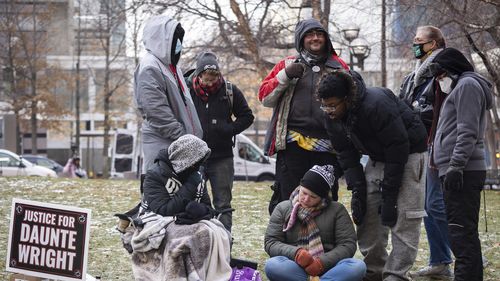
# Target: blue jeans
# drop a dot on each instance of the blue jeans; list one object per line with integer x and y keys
{"x": 436, "y": 223}
{"x": 220, "y": 173}
{"x": 281, "y": 268}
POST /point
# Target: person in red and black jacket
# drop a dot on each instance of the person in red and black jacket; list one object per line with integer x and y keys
{"x": 296, "y": 132}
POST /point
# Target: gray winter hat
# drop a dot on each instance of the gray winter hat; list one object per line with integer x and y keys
{"x": 206, "y": 60}
{"x": 186, "y": 151}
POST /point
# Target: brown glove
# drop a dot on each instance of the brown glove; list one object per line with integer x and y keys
{"x": 294, "y": 70}
{"x": 303, "y": 258}
{"x": 315, "y": 268}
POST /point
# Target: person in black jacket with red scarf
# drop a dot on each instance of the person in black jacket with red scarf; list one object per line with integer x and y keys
{"x": 216, "y": 101}
{"x": 389, "y": 194}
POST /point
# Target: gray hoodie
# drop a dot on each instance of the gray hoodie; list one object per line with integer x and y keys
{"x": 168, "y": 111}
{"x": 459, "y": 141}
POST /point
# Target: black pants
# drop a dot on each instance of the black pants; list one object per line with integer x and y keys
{"x": 293, "y": 162}
{"x": 462, "y": 210}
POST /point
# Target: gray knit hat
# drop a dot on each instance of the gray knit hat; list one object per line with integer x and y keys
{"x": 186, "y": 151}
{"x": 206, "y": 60}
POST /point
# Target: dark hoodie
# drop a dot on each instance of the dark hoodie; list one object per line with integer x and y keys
{"x": 304, "y": 26}
{"x": 305, "y": 115}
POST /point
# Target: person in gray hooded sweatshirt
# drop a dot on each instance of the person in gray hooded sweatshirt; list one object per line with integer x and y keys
{"x": 458, "y": 153}
{"x": 161, "y": 94}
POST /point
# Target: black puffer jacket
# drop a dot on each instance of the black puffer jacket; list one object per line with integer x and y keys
{"x": 165, "y": 193}
{"x": 421, "y": 97}
{"x": 215, "y": 117}
{"x": 381, "y": 126}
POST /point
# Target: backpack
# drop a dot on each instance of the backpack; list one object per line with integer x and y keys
{"x": 188, "y": 77}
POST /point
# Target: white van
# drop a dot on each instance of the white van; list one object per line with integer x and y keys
{"x": 250, "y": 163}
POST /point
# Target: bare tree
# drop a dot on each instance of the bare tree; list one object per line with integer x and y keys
{"x": 8, "y": 27}
{"x": 77, "y": 77}
{"x": 25, "y": 26}
{"x": 112, "y": 38}
{"x": 249, "y": 28}
{"x": 135, "y": 22}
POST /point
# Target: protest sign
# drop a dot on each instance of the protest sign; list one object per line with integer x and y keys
{"x": 48, "y": 240}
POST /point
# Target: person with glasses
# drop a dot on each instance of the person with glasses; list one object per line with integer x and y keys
{"x": 295, "y": 132}
{"x": 419, "y": 91}
{"x": 387, "y": 196}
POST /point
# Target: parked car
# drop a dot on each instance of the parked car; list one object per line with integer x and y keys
{"x": 250, "y": 162}
{"x": 12, "y": 164}
{"x": 44, "y": 162}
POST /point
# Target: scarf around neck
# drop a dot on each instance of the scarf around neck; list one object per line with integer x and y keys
{"x": 203, "y": 91}
{"x": 312, "y": 59}
{"x": 309, "y": 236}
{"x": 421, "y": 67}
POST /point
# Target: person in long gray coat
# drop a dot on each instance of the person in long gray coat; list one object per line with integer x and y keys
{"x": 310, "y": 235}
{"x": 161, "y": 94}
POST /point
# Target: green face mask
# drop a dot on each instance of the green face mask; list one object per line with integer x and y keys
{"x": 418, "y": 49}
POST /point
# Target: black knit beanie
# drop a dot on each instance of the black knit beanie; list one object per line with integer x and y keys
{"x": 206, "y": 60}
{"x": 319, "y": 179}
{"x": 453, "y": 61}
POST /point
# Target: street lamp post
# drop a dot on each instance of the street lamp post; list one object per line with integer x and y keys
{"x": 358, "y": 47}
{"x": 351, "y": 32}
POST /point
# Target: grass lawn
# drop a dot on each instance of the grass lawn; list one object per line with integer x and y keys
{"x": 108, "y": 259}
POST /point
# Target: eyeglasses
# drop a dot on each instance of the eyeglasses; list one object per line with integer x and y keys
{"x": 415, "y": 42}
{"x": 331, "y": 108}
{"x": 314, "y": 33}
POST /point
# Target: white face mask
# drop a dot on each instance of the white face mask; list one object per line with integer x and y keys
{"x": 445, "y": 84}
{"x": 178, "y": 47}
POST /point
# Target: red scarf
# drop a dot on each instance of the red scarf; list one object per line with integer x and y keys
{"x": 439, "y": 98}
{"x": 204, "y": 91}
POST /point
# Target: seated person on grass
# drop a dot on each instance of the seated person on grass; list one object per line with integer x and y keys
{"x": 174, "y": 180}
{"x": 311, "y": 237}
{"x": 175, "y": 237}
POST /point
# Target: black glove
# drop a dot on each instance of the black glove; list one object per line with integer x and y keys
{"x": 358, "y": 205}
{"x": 294, "y": 70}
{"x": 335, "y": 190}
{"x": 453, "y": 180}
{"x": 389, "y": 211}
{"x": 194, "y": 179}
{"x": 194, "y": 213}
